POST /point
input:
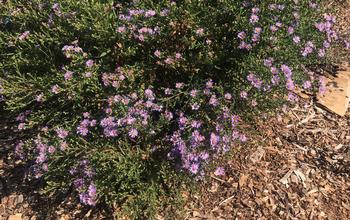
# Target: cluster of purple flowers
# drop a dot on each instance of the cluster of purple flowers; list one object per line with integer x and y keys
{"x": 197, "y": 141}
{"x": 254, "y": 80}
{"x": 71, "y": 50}
{"x": 134, "y": 17}
{"x": 255, "y": 38}
{"x": 21, "y": 119}
{"x": 83, "y": 128}
{"x": 83, "y": 183}
{"x": 43, "y": 151}
{"x": 326, "y": 27}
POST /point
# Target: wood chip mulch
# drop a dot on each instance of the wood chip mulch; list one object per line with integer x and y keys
{"x": 298, "y": 167}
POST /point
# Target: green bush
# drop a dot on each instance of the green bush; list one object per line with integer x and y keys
{"x": 128, "y": 102}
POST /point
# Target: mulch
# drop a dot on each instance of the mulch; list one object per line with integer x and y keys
{"x": 298, "y": 167}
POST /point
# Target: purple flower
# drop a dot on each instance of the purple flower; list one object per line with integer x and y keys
{"x": 307, "y": 84}
{"x": 290, "y": 30}
{"x": 51, "y": 149}
{"x": 179, "y": 85}
{"x": 286, "y": 70}
{"x": 149, "y": 94}
{"x": 296, "y": 39}
{"x": 220, "y": 171}
{"x": 61, "y": 133}
{"x": 195, "y": 106}
{"x": 39, "y": 98}
{"x": 89, "y": 63}
{"x": 200, "y": 32}
{"x": 268, "y": 62}
{"x": 121, "y": 29}
{"x": 168, "y": 115}
{"x": 228, "y": 96}
{"x": 169, "y": 61}
{"x": 254, "y": 18}
{"x": 133, "y": 133}
{"x": 326, "y": 44}
{"x": 213, "y": 101}
{"x": 243, "y": 94}
{"x": 82, "y": 130}
{"x": 292, "y": 97}
{"x": 257, "y": 30}
{"x": 194, "y": 168}
{"x": 214, "y": 139}
{"x": 193, "y": 93}
{"x": 241, "y": 35}
{"x": 68, "y": 75}
{"x": 157, "y": 53}
{"x": 150, "y": 13}
{"x": 255, "y": 10}
{"x": 290, "y": 84}
{"x": 55, "y": 89}
{"x": 242, "y": 138}
{"x": 321, "y": 52}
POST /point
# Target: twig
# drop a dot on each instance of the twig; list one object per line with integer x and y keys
{"x": 226, "y": 200}
{"x": 218, "y": 179}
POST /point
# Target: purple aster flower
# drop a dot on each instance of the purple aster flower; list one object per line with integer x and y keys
{"x": 195, "y": 106}
{"x": 255, "y": 10}
{"x": 61, "y": 133}
{"x": 242, "y": 138}
{"x": 68, "y": 75}
{"x": 200, "y": 32}
{"x": 254, "y": 18}
{"x": 307, "y": 84}
{"x": 39, "y": 98}
{"x": 157, "y": 53}
{"x": 194, "y": 168}
{"x": 257, "y": 30}
{"x": 220, "y": 171}
{"x": 228, "y": 96}
{"x": 55, "y": 89}
{"x": 193, "y": 93}
{"x": 89, "y": 63}
{"x": 196, "y": 124}
{"x": 290, "y": 30}
{"x": 168, "y": 115}
{"x": 286, "y": 70}
{"x": 321, "y": 52}
{"x": 51, "y": 149}
{"x": 178, "y": 56}
{"x": 326, "y": 44}
{"x": 292, "y": 97}
{"x": 121, "y": 29}
{"x": 149, "y": 94}
{"x": 242, "y": 35}
{"x": 268, "y": 62}
{"x": 150, "y": 13}
{"x": 243, "y": 94}
{"x": 213, "y": 101}
{"x": 275, "y": 79}
{"x": 296, "y": 39}
{"x": 214, "y": 139}
{"x": 179, "y": 85}
{"x": 82, "y": 130}
{"x": 290, "y": 84}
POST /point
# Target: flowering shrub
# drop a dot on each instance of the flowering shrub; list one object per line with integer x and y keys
{"x": 126, "y": 101}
